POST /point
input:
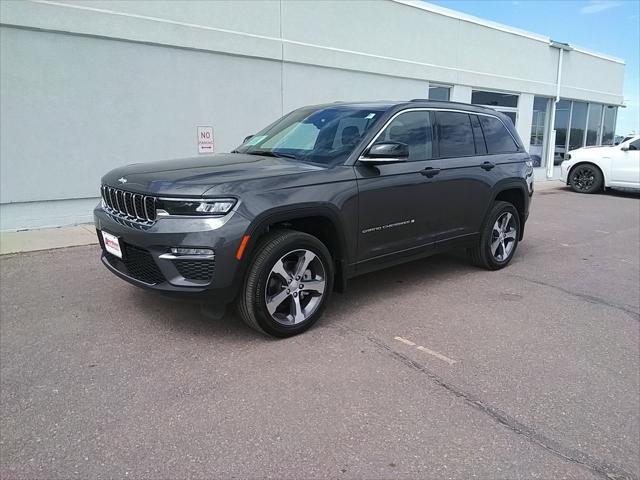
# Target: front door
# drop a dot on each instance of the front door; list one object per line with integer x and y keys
{"x": 625, "y": 166}
{"x": 394, "y": 215}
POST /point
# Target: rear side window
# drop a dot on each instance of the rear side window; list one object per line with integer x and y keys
{"x": 496, "y": 135}
{"x": 455, "y": 134}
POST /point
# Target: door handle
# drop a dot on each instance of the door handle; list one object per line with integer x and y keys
{"x": 430, "y": 172}
{"x": 487, "y": 166}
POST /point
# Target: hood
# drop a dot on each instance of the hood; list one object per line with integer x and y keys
{"x": 590, "y": 150}
{"x": 194, "y": 176}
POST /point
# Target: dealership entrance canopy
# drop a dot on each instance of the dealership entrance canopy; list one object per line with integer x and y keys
{"x": 87, "y": 86}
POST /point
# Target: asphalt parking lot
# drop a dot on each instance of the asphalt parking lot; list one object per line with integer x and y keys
{"x": 529, "y": 372}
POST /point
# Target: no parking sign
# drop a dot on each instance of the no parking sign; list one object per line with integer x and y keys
{"x": 205, "y": 139}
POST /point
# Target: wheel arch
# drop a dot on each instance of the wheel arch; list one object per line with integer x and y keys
{"x": 514, "y": 192}
{"x": 603, "y": 171}
{"x": 320, "y": 220}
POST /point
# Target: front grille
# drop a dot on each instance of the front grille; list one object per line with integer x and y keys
{"x": 134, "y": 207}
{"x": 137, "y": 263}
{"x": 195, "y": 269}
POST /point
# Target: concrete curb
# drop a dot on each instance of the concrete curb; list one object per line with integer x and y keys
{"x": 47, "y": 238}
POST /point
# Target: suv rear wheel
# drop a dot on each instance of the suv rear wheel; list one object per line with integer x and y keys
{"x": 499, "y": 237}
{"x": 287, "y": 285}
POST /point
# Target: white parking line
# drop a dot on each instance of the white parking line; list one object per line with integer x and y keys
{"x": 442, "y": 357}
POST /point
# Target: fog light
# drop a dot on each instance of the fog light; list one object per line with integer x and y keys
{"x": 191, "y": 251}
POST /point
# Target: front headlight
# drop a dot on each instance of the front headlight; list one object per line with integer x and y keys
{"x": 195, "y": 207}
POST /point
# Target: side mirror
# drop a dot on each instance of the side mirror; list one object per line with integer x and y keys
{"x": 386, "y": 152}
{"x": 247, "y": 138}
{"x": 625, "y": 148}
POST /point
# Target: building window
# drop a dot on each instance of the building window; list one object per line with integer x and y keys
{"x": 494, "y": 99}
{"x": 578, "y": 125}
{"x": 563, "y": 112}
{"x": 506, "y": 103}
{"x": 609, "y": 125}
{"x": 594, "y": 124}
{"x": 439, "y": 92}
{"x": 538, "y": 130}
{"x": 589, "y": 126}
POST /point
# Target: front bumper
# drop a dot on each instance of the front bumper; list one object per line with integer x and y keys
{"x": 564, "y": 171}
{"x": 147, "y": 261}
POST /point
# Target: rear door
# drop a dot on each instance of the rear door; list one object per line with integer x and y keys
{"x": 462, "y": 188}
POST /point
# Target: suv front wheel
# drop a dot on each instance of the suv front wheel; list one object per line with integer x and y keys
{"x": 287, "y": 285}
{"x": 499, "y": 237}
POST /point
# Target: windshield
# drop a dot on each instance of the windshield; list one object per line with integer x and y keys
{"x": 326, "y": 135}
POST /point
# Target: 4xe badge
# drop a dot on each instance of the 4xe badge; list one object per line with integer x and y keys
{"x": 122, "y": 180}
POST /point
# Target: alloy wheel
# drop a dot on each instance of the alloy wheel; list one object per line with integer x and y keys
{"x": 583, "y": 178}
{"x": 503, "y": 237}
{"x": 295, "y": 287}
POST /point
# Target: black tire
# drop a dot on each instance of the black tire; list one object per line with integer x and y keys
{"x": 252, "y": 300}
{"x": 586, "y": 178}
{"x": 482, "y": 254}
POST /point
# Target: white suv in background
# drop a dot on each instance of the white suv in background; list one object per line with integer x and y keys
{"x": 591, "y": 169}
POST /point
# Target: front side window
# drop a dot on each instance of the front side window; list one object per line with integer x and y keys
{"x": 318, "y": 135}
{"x": 635, "y": 145}
{"x": 497, "y": 137}
{"x": 455, "y": 134}
{"x": 414, "y": 130}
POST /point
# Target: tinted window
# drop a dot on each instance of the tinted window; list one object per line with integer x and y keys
{"x": 414, "y": 129}
{"x": 455, "y": 134}
{"x": 478, "y": 137}
{"x": 496, "y": 135}
{"x": 496, "y": 99}
{"x": 635, "y": 145}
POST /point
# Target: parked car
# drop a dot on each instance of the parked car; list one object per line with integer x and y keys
{"x": 324, "y": 194}
{"x": 591, "y": 169}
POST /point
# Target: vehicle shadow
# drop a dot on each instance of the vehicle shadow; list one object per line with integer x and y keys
{"x": 187, "y": 318}
{"x": 628, "y": 193}
{"x": 610, "y": 192}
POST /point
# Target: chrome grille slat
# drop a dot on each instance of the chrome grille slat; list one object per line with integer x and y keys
{"x": 150, "y": 210}
{"x": 120, "y": 201}
{"x": 128, "y": 203}
{"x": 133, "y": 207}
{"x": 112, "y": 197}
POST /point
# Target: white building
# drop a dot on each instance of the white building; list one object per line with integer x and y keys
{"x": 90, "y": 85}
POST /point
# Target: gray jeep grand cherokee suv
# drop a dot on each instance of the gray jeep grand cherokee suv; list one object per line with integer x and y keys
{"x": 325, "y": 193}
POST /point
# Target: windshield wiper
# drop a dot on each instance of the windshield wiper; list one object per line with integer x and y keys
{"x": 269, "y": 153}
